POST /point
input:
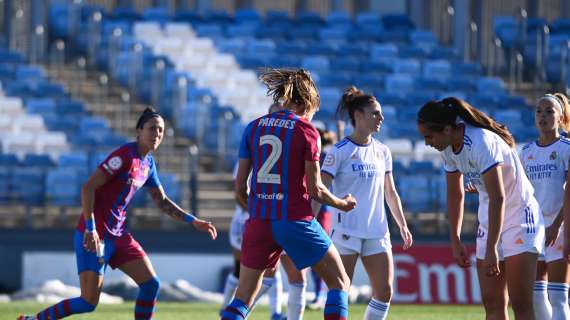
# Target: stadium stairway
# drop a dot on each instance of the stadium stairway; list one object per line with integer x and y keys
{"x": 215, "y": 196}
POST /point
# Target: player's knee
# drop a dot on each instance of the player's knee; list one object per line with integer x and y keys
{"x": 384, "y": 292}
{"x": 150, "y": 287}
{"x": 91, "y": 298}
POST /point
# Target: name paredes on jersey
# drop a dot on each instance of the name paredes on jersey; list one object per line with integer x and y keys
{"x": 540, "y": 171}
{"x": 272, "y": 122}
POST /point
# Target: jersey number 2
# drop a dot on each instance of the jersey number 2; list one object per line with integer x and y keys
{"x": 264, "y": 174}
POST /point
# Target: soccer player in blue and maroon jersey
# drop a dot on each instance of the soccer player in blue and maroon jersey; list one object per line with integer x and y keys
{"x": 101, "y": 237}
{"x": 282, "y": 151}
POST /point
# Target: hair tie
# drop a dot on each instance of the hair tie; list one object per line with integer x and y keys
{"x": 555, "y": 100}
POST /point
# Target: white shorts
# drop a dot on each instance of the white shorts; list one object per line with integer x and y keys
{"x": 236, "y": 228}
{"x": 347, "y": 244}
{"x": 554, "y": 252}
{"x": 516, "y": 239}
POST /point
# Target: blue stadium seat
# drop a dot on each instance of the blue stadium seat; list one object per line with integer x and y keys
{"x": 490, "y": 85}
{"x": 40, "y": 106}
{"x": 560, "y": 26}
{"x": 431, "y": 84}
{"x": 261, "y": 47}
{"x": 74, "y": 160}
{"x": 407, "y": 66}
{"x": 382, "y": 51}
{"x": 27, "y": 185}
{"x": 38, "y": 160}
{"x": 437, "y": 69}
{"x": 378, "y": 67}
{"x": 278, "y": 18}
{"x": 368, "y": 19}
{"x": 241, "y": 30}
{"x": 506, "y": 29}
{"x": 158, "y": 14}
{"x": 329, "y": 98}
{"x": 247, "y": 16}
{"x": 413, "y": 51}
{"x": 291, "y": 47}
{"x": 171, "y": 186}
{"x": 316, "y": 63}
{"x": 209, "y": 30}
{"x": 416, "y": 193}
{"x": 5, "y": 186}
{"x": 397, "y": 22}
{"x": 63, "y": 187}
{"x": 8, "y": 160}
{"x": 370, "y": 82}
{"x": 309, "y": 18}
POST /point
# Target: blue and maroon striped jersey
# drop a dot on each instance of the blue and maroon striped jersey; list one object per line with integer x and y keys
{"x": 278, "y": 144}
{"x": 127, "y": 172}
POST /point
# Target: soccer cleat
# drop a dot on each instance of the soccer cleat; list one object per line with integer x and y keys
{"x": 316, "y": 304}
{"x": 23, "y": 317}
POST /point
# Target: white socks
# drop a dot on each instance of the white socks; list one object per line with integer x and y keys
{"x": 376, "y": 310}
{"x": 558, "y": 296}
{"x": 229, "y": 289}
{"x": 542, "y": 308}
{"x": 276, "y": 295}
{"x": 297, "y": 301}
{"x": 265, "y": 285}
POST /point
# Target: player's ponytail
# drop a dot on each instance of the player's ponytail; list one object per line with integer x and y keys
{"x": 353, "y": 99}
{"x": 294, "y": 88}
{"x": 436, "y": 115}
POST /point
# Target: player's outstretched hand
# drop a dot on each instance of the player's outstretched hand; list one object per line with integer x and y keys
{"x": 348, "y": 203}
{"x": 460, "y": 255}
{"x": 205, "y": 226}
{"x": 91, "y": 241}
{"x": 407, "y": 237}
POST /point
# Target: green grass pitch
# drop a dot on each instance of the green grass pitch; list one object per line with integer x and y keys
{"x": 201, "y": 311}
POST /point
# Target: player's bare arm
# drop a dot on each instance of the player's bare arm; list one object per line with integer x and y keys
{"x": 241, "y": 182}
{"x": 91, "y": 240}
{"x": 319, "y": 192}
{"x": 455, "y": 198}
{"x": 173, "y": 210}
{"x": 395, "y": 205}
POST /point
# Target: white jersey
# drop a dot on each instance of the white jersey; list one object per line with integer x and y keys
{"x": 546, "y": 168}
{"x": 360, "y": 171}
{"x": 482, "y": 150}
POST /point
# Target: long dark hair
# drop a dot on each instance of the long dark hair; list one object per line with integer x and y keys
{"x": 353, "y": 99}
{"x": 435, "y": 115}
{"x": 294, "y": 88}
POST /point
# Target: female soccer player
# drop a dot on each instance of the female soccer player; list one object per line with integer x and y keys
{"x": 282, "y": 151}
{"x": 546, "y": 164}
{"x": 361, "y": 165}
{"x": 511, "y": 227}
{"x": 101, "y": 237}
{"x": 272, "y": 283}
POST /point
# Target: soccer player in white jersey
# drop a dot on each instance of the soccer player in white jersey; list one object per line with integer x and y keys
{"x": 546, "y": 165}
{"x": 361, "y": 165}
{"x": 511, "y": 227}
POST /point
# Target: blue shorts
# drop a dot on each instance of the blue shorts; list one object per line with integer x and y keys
{"x": 117, "y": 251}
{"x": 305, "y": 242}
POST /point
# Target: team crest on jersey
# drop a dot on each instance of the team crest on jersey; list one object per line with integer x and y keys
{"x": 530, "y": 157}
{"x": 553, "y": 155}
{"x": 115, "y": 163}
{"x": 471, "y": 164}
{"x": 329, "y": 160}
{"x": 354, "y": 156}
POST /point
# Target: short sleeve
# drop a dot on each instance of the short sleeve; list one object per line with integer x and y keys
{"x": 312, "y": 150}
{"x": 117, "y": 162}
{"x": 487, "y": 154}
{"x": 566, "y": 161}
{"x": 387, "y": 159}
{"x": 449, "y": 164}
{"x": 152, "y": 181}
{"x": 332, "y": 162}
{"x": 244, "y": 147}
